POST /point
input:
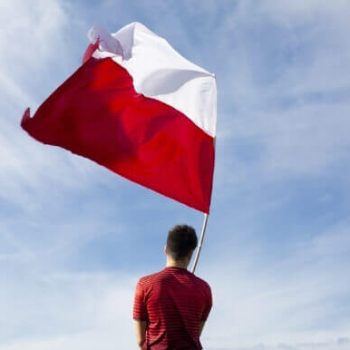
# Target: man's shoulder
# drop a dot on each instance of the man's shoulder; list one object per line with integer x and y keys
{"x": 202, "y": 282}
{"x": 166, "y": 274}
{"x": 145, "y": 280}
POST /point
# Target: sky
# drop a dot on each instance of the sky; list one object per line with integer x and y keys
{"x": 75, "y": 238}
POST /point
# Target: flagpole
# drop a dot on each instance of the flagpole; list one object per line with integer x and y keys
{"x": 201, "y": 239}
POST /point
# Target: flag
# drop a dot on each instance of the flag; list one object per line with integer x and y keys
{"x": 139, "y": 108}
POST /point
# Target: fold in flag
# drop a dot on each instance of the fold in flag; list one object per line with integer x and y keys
{"x": 139, "y": 108}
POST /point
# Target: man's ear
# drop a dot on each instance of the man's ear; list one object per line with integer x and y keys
{"x": 165, "y": 250}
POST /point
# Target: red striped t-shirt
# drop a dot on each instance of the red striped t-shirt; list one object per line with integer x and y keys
{"x": 173, "y": 302}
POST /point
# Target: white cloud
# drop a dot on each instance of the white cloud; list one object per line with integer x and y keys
{"x": 338, "y": 344}
{"x": 285, "y": 72}
{"x": 76, "y": 311}
{"x": 32, "y": 37}
{"x": 297, "y": 299}
{"x": 29, "y": 39}
{"x": 302, "y": 10}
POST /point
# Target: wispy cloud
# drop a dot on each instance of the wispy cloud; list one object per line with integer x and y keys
{"x": 294, "y": 299}
{"x": 84, "y": 311}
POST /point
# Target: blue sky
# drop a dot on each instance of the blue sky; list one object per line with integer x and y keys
{"x": 74, "y": 238}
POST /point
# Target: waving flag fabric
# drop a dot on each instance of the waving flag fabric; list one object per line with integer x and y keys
{"x": 139, "y": 108}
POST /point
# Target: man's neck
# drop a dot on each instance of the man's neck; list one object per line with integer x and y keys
{"x": 177, "y": 263}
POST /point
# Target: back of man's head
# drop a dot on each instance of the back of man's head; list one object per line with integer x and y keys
{"x": 182, "y": 241}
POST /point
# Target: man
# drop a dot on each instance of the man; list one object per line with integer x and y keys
{"x": 171, "y": 306}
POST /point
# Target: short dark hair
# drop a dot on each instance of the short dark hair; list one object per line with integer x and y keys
{"x": 182, "y": 240}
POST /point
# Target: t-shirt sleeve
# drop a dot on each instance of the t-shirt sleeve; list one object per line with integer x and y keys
{"x": 208, "y": 305}
{"x": 139, "y": 310}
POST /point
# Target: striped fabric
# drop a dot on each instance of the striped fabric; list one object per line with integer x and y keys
{"x": 173, "y": 302}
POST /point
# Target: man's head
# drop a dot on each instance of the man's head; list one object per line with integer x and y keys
{"x": 182, "y": 241}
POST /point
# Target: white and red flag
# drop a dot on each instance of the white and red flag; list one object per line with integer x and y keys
{"x": 139, "y": 108}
